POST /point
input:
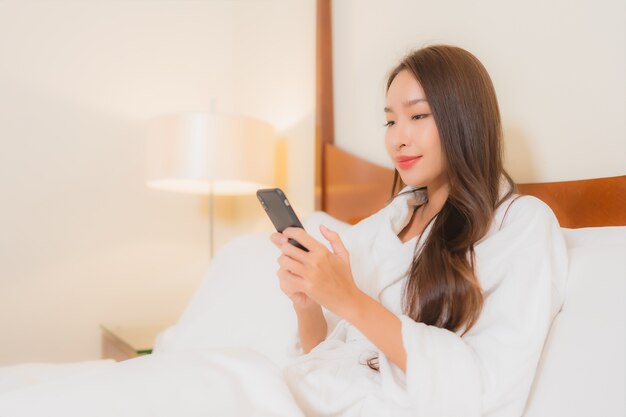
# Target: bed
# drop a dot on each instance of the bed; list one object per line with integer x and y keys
{"x": 581, "y": 372}
{"x": 239, "y": 329}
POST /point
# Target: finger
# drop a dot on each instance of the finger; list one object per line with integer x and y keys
{"x": 289, "y": 283}
{"x": 277, "y": 239}
{"x": 293, "y": 252}
{"x": 335, "y": 241}
{"x": 298, "y": 297}
{"x": 291, "y": 265}
{"x": 303, "y": 238}
{"x": 284, "y": 274}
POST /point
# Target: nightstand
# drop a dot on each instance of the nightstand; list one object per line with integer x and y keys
{"x": 125, "y": 342}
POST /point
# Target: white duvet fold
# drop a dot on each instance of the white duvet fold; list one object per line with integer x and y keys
{"x": 217, "y": 382}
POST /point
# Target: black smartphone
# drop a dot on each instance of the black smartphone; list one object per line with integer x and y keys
{"x": 279, "y": 210}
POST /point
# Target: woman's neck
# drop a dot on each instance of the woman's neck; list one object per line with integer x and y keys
{"x": 437, "y": 196}
{"x": 421, "y": 216}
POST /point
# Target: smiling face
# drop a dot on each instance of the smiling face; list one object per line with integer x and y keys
{"x": 412, "y": 139}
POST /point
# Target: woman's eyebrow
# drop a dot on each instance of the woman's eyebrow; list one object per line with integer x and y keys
{"x": 407, "y": 104}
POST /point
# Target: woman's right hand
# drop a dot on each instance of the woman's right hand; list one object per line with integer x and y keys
{"x": 312, "y": 326}
{"x": 301, "y": 301}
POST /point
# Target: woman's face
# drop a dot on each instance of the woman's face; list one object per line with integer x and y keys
{"x": 412, "y": 139}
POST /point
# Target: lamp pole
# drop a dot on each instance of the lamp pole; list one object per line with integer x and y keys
{"x": 211, "y": 223}
{"x": 213, "y": 155}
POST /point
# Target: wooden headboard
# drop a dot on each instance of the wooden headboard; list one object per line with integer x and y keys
{"x": 351, "y": 188}
{"x": 355, "y": 188}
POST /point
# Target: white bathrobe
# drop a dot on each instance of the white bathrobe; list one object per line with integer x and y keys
{"x": 521, "y": 264}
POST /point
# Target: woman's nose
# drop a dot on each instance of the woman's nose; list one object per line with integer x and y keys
{"x": 400, "y": 136}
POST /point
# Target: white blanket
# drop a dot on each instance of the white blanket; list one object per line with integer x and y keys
{"x": 218, "y": 382}
{"x": 521, "y": 265}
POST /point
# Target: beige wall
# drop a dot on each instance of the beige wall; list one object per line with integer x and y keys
{"x": 559, "y": 68}
{"x": 82, "y": 240}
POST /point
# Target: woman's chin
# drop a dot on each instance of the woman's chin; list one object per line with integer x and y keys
{"x": 413, "y": 181}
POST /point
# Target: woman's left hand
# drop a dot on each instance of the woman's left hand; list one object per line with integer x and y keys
{"x": 323, "y": 275}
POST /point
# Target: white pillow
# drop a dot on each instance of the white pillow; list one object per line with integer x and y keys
{"x": 239, "y": 302}
{"x": 583, "y": 368}
{"x": 595, "y": 236}
{"x": 312, "y": 222}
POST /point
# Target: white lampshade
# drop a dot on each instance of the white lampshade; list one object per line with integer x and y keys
{"x": 204, "y": 152}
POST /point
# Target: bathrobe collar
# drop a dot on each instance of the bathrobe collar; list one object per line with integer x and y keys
{"x": 393, "y": 258}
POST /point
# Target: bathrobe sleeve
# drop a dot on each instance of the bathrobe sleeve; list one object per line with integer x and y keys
{"x": 489, "y": 371}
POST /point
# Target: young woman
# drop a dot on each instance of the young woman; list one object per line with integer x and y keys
{"x": 440, "y": 303}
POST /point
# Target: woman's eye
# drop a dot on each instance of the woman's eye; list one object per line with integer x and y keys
{"x": 419, "y": 116}
{"x": 389, "y": 123}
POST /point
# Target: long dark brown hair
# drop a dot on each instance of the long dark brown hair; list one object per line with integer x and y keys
{"x": 442, "y": 288}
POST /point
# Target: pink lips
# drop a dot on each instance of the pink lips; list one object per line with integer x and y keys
{"x": 405, "y": 162}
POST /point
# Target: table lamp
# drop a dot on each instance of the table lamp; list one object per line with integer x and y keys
{"x": 209, "y": 153}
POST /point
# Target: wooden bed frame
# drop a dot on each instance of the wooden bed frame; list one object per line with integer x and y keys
{"x": 351, "y": 188}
